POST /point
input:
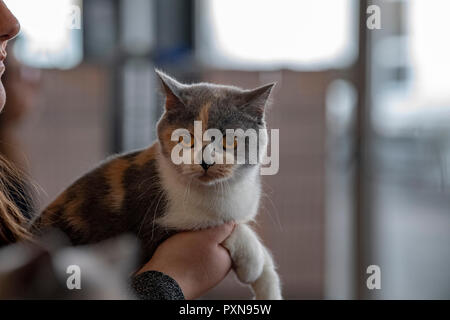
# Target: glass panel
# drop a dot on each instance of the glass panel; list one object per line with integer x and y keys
{"x": 268, "y": 34}
{"x": 411, "y": 150}
{"x": 139, "y": 114}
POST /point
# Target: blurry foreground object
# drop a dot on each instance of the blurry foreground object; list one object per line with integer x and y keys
{"x": 30, "y": 271}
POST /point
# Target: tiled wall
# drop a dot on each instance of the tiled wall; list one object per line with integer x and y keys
{"x": 65, "y": 133}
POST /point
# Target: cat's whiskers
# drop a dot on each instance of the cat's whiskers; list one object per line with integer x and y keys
{"x": 187, "y": 192}
{"x": 143, "y": 221}
{"x": 156, "y": 212}
{"x": 161, "y": 194}
{"x": 220, "y": 193}
{"x": 150, "y": 181}
{"x": 276, "y": 221}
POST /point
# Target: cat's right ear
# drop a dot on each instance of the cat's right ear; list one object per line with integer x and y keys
{"x": 171, "y": 89}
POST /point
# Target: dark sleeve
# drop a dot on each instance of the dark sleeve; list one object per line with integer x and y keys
{"x": 154, "y": 285}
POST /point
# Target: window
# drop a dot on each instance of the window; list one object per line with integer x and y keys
{"x": 51, "y": 35}
{"x": 269, "y": 34}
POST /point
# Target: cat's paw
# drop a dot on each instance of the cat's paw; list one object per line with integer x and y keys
{"x": 272, "y": 293}
{"x": 247, "y": 254}
{"x": 275, "y": 295}
{"x": 249, "y": 268}
{"x": 268, "y": 285}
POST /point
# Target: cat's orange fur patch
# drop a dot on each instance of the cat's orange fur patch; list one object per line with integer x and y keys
{"x": 166, "y": 134}
{"x": 59, "y": 201}
{"x": 48, "y": 216}
{"x": 72, "y": 214}
{"x": 114, "y": 174}
{"x": 146, "y": 155}
{"x": 203, "y": 115}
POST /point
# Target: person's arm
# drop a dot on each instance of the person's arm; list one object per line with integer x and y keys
{"x": 186, "y": 265}
{"x": 155, "y": 285}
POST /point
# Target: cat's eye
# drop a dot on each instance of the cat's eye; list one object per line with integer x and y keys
{"x": 229, "y": 143}
{"x": 186, "y": 141}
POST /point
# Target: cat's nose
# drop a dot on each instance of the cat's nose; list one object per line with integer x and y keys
{"x": 206, "y": 166}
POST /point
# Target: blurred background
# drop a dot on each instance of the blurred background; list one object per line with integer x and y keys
{"x": 364, "y": 119}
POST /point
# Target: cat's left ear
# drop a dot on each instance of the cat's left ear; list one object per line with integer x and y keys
{"x": 172, "y": 90}
{"x": 256, "y": 99}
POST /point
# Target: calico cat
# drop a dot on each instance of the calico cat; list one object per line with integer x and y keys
{"x": 145, "y": 193}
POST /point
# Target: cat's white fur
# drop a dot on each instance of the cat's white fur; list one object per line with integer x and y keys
{"x": 194, "y": 206}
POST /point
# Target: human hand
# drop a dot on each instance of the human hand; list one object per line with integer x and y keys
{"x": 194, "y": 259}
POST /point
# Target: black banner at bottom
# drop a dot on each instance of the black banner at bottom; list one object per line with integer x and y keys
{"x": 291, "y": 309}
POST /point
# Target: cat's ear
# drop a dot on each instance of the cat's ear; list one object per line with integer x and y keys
{"x": 256, "y": 100}
{"x": 171, "y": 89}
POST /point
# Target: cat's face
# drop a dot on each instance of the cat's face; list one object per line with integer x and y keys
{"x": 214, "y": 107}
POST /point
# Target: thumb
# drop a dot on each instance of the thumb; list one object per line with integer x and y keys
{"x": 220, "y": 233}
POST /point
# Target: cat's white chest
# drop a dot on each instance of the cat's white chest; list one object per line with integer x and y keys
{"x": 196, "y": 208}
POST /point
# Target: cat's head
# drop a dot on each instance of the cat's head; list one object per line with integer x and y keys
{"x": 214, "y": 107}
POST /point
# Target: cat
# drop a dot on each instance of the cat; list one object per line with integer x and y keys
{"x": 145, "y": 193}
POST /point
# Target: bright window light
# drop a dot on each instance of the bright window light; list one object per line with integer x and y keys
{"x": 430, "y": 49}
{"x": 424, "y": 101}
{"x": 50, "y": 32}
{"x": 261, "y": 34}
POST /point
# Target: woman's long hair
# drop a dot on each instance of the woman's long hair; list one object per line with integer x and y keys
{"x": 14, "y": 202}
